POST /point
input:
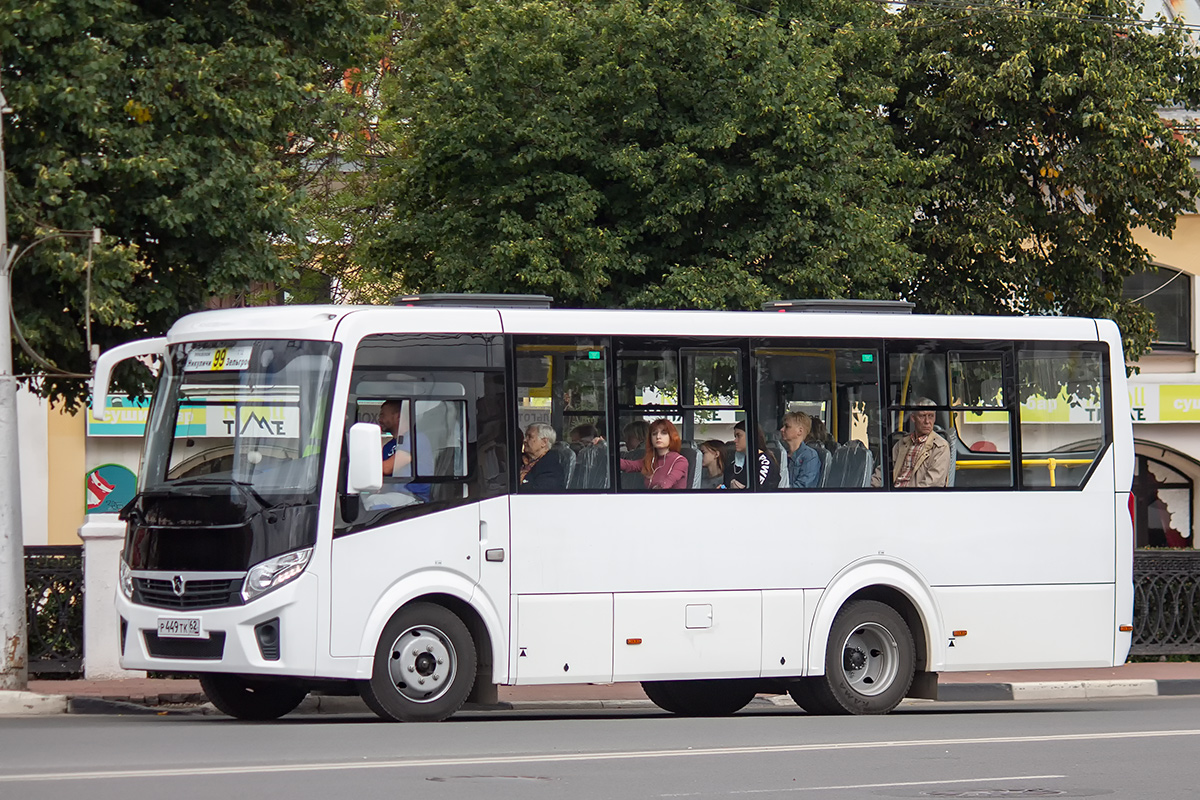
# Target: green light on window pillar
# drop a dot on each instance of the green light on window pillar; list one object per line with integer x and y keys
{"x": 868, "y": 358}
{"x": 594, "y": 355}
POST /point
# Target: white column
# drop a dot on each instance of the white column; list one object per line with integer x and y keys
{"x": 103, "y": 537}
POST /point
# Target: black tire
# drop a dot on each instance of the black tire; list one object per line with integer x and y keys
{"x": 245, "y": 697}
{"x": 424, "y": 666}
{"x": 806, "y": 692}
{"x": 869, "y": 663}
{"x": 659, "y": 693}
{"x": 703, "y": 698}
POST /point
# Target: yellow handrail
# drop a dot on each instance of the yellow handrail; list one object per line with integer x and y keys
{"x": 1051, "y": 462}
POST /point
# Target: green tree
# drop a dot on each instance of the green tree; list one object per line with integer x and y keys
{"x": 180, "y": 130}
{"x": 1040, "y": 121}
{"x": 656, "y": 153}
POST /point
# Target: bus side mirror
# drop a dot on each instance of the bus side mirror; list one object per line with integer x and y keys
{"x": 365, "y": 472}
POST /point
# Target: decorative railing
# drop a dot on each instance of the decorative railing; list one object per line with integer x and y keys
{"x": 54, "y": 609}
{"x": 1166, "y": 606}
{"x": 1166, "y": 602}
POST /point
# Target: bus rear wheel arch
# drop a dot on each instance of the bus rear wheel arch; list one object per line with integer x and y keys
{"x": 870, "y": 661}
{"x": 424, "y": 665}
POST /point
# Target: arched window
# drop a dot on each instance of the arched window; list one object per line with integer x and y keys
{"x": 1163, "y": 510}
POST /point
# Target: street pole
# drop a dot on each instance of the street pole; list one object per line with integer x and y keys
{"x": 14, "y": 646}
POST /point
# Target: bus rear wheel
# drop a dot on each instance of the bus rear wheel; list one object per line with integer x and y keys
{"x": 245, "y": 697}
{"x": 869, "y": 663}
{"x": 703, "y": 698}
{"x": 424, "y": 666}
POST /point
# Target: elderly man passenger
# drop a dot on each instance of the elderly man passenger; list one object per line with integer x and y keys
{"x": 921, "y": 459}
{"x": 543, "y": 472}
{"x": 804, "y": 465}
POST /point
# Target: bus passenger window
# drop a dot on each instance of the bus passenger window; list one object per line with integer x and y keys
{"x": 1063, "y": 428}
{"x": 819, "y": 410}
{"x": 562, "y": 403}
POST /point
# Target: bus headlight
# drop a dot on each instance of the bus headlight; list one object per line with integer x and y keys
{"x": 126, "y": 576}
{"x": 274, "y": 572}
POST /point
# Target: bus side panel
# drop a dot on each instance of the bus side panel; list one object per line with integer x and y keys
{"x": 1027, "y": 627}
{"x": 563, "y": 639}
{"x": 673, "y": 635}
{"x": 785, "y": 628}
{"x": 1124, "y": 586}
{"x": 1123, "y": 464}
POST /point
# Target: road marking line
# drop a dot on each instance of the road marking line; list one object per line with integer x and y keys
{"x": 873, "y": 785}
{"x": 550, "y": 758}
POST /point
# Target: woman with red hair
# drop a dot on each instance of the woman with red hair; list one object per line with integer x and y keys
{"x": 663, "y": 467}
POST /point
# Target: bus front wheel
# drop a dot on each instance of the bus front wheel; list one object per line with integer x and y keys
{"x": 250, "y": 698}
{"x": 424, "y": 666}
{"x": 869, "y": 663}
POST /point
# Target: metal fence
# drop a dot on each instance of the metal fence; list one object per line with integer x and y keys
{"x": 1166, "y": 606}
{"x": 54, "y": 609}
{"x": 1166, "y": 602}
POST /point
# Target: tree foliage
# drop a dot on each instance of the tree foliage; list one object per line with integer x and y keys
{"x": 179, "y": 129}
{"x": 1040, "y": 122}
{"x": 656, "y": 153}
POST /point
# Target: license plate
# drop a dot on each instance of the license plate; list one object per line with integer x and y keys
{"x": 180, "y": 628}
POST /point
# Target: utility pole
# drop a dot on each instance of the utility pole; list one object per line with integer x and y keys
{"x": 14, "y": 645}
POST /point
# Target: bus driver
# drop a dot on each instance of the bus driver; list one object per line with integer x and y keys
{"x": 398, "y": 451}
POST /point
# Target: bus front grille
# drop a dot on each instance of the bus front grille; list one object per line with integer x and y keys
{"x": 196, "y": 594}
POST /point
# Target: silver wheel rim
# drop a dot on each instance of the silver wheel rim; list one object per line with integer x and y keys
{"x": 870, "y": 659}
{"x": 422, "y": 664}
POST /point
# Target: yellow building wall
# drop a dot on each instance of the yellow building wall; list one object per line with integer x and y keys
{"x": 66, "y": 451}
{"x": 1181, "y": 251}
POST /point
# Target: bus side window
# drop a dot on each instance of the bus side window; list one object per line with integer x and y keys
{"x": 562, "y": 383}
{"x": 1063, "y": 428}
{"x": 820, "y": 403}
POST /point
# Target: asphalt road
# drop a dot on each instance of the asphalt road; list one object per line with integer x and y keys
{"x": 1130, "y": 748}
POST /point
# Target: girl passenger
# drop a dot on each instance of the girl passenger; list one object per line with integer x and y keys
{"x": 712, "y": 454}
{"x": 736, "y": 470}
{"x": 662, "y": 467}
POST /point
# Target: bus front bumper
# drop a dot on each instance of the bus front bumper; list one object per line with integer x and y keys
{"x": 273, "y": 634}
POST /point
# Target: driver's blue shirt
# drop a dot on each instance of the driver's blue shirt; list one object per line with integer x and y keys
{"x": 422, "y": 491}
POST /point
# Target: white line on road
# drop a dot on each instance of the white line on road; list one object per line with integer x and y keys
{"x": 875, "y": 785}
{"x": 551, "y": 758}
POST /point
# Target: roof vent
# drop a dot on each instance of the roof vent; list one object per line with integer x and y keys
{"x": 475, "y": 300}
{"x": 842, "y": 306}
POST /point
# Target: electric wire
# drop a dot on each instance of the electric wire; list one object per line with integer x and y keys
{"x": 1159, "y": 289}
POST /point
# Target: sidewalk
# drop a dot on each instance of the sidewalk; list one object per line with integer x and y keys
{"x": 159, "y": 695}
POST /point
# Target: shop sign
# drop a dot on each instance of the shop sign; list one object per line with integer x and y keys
{"x": 123, "y": 416}
{"x": 1165, "y": 402}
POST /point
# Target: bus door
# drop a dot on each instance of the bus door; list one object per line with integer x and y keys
{"x": 442, "y": 514}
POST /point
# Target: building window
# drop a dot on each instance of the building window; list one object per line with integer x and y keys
{"x": 1163, "y": 505}
{"x": 1167, "y": 294}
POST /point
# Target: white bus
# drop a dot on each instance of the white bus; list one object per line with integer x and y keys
{"x": 267, "y": 550}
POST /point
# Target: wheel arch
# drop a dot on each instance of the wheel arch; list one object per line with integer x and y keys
{"x": 894, "y": 583}
{"x": 455, "y": 594}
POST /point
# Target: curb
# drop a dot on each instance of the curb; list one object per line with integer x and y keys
{"x": 31, "y": 704}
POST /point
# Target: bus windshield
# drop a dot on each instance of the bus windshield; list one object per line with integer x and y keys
{"x": 249, "y": 413}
